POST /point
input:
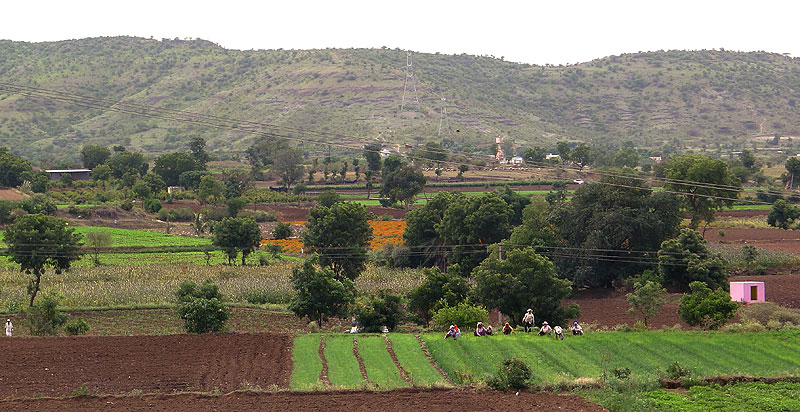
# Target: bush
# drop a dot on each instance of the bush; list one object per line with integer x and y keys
{"x": 260, "y": 216}
{"x": 214, "y": 214}
{"x": 770, "y": 315}
{"x": 77, "y": 327}
{"x": 465, "y": 314}
{"x": 201, "y": 307}
{"x": 126, "y": 204}
{"x": 80, "y": 211}
{"x": 152, "y": 205}
{"x": 44, "y": 318}
{"x": 678, "y": 371}
{"x": 183, "y": 214}
{"x": 705, "y": 308}
{"x": 374, "y": 312}
{"x": 328, "y": 197}
{"x": 513, "y": 375}
{"x": 282, "y": 231}
{"x": 38, "y": 203}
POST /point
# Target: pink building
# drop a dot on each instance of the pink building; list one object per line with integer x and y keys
{"x": 747, "y": 292}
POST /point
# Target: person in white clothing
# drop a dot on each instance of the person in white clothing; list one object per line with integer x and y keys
{"x": 546, "y": 329}
{"x": 559, "y": 332}
{"x": 9, "y": 328}
{"x": 527, "y": 320}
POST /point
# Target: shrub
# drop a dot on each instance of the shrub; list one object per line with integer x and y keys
{"x": 201, "y": 307}
{"x": 385, "y": 217}
{"x": 622, "y": 373}
{"x": 213, "y": 213}
{"x": 678, "y": 371}
{"x": 261, "y": 297}
{"x": 80, "y": 211}
{"x": 183, "y": 214}
{"x": 328, "y": 197}
{"x": 152, "y": 205}
{"x": 44, "y": 318}
{"x": 374, "y": 312}
{"x": 282, "y": 231}
{"x": 77, "y": 327}
{"x": 464, "y": 314}
{"x": 38, "y": 203}
{"x": 126, "y": 204}
{"x": 259, "y": 216}
{"x": 513, "y": 375}
{"x": 706, "y": 308}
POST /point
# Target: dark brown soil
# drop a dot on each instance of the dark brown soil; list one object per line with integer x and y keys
{"x": 10, "y": 194}
{"x": 781, "y": 289}
{"x": 742, "y": 213}
{"x": 408, "y": 400}
{"x": 152, "y": 364}
{"x": 608, "y": 308}
{"x": 772, "y": 239}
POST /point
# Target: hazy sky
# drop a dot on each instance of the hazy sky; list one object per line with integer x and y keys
{"x": 531, "y": 31}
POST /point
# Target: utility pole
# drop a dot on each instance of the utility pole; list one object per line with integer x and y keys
{"x": 409, "y": 79}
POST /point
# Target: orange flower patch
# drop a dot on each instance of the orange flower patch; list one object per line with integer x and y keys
{"x": 384, "y": 232}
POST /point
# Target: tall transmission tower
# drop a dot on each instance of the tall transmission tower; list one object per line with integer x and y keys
{"x": 413, "y": 83}
{"x": 443, "y": 120}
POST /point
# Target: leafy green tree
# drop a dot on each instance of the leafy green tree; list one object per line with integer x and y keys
{"x": 155, "y": 183}
{"x": 403, "y": 184}
{"x": 706, "y": 185}
{"x": 522, "y": 280}
{"x": 236, "y": 182}
{"x": 93, "y": 156}
{"x": 517, "y": 202}
{"x": 465, "y": 314}
{"x": 626, "y": 157}
{"x": 748, "y": 159}
{"x": 461, "y": 169}
{"x": 646, "y": 299}
{"x": 702, "y": 307}
{"x": 288, "y": 164}
{"x": 263, "y": 150}
{"x": 234, "y": 234}
{"x": 125, "y": 162}
{"x": 142, "y": 190}
{"x": 191, "y": 179}
{"x": 11, "y": 168}
{"x": 375, "y": 311}
{"x": 535, "y": 154}
{"x": 610, "y": 228}
{"x": 37, "y": 242}
{"x": 471, "y": 224}
{"x": 563, "y": 151}
{"x": 391, "y": 163}
{"x": 437, "y": 290}
{"x": 784, "y": 215}
{"x": 328, "y": 197}
{"x": 686, "y": 259}
{"x": 197, "y": 145}
{"x": 44, "y": 316}
{"x": 209, "y": 189}
{"x": 170, "y": 166}
{"x": 38, "y": 203}
{"x": 38, "y": 180}
{"x": 282, "y": 231}
{"x": 340, "y": 234}
{"x": 581, "y": 155}
{"x": 101, "y": 173}
{"x": 373, "y": 156}
{"x": 792, "y": 166}
{"x": 201, "y": 307}
{"x": 97, "y": 240}
{"x": 421, "y": 233}
{"x": 319, "y": 294}
{"x": 537, "y": 228}
{"x": 235, "y": 205}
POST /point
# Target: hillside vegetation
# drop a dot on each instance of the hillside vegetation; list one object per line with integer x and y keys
{"x": 681, "y": 98}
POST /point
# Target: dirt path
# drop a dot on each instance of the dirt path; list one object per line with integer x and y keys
{"x": 408, "y": 400}
{"x": 427, "y": 353}
{"x": 323, "y": 374}
{"x": 360, "y": 361}
{"x": 396, "y": 361}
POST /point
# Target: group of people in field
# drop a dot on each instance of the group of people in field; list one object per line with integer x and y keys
{"x": 527, "y": 323}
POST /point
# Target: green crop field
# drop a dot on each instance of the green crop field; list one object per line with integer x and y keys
{"x": 343, "y": 370}
{"x": 138, "y": 238}
{"x": 306, "y": 363}
{"x": 381, "y": 370}
{"x": 743, "y": 397}
{"x": 645, "y": 353}
{"x": 414, "y": 362}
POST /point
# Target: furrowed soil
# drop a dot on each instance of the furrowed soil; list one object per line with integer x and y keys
{"x": 55, "y": 367}
{"x": 772, "y": 239}
{"x": 351, "y": 401}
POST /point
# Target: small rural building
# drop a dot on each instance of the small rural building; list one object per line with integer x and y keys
{"x": 747, "y": 292}
{"x": 552, "y": 156}
{"x": 517, "y": 160}
{"x": 174, "y": 189}
{"x": 76, "y": 174}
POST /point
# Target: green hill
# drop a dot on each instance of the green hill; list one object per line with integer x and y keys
{"x": 693, "y": 98}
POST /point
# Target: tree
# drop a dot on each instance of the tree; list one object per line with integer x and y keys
{"x": 748, "y": 159}
{"x": 126, "y": 162}
{"x": 319, "y": 294}
{"x": 368, "y": 175}
{"x": 38, "y": 180}
{"x": 235, "y": 205}
{"x": 171, "y": 165}
{"x": 282, "y": 231}
{"x": 581, "y": 155}
{"x": 11, "y": 168}
{"x": 142, "y": 190}
{"x": 784, "y": 215}
{"x": 392, "y": 163}
{"x": 209, "y": 188}
{"x": 155, "y": 183}
{"x": 403, "y": 184}
{"x": 537, "y": 228}
{"x": 92, "y": 156}
{"x": 372, "y": 152}
{"x": 101, "y": 173}
{"x": 646, "y": 299}
{"x": 437, "y": 290}
{"x": 328, "y": 197}
{"x": 197, "y": 145}
{"x": 234, "y": 234}
{"x": 626, "y": 157}
{"x": 287, "y": 163}
{"x": 563, "y": 151}
{"x": 191, "y": 179}
{"x": 340, "y": 234}
{"x": 686, "y": 259}
{"x": 261, "y": 152}
{"x": 706, "y": 185}
{"x": 373, "y": 312}
{"x": 792, "y": 166}
{"x": 702, "y": 307}
{"x": 610, "y": 228}
{"x": 535, "y": 154}
{"x": 523, "y": 280}
{"x": 37, "y": 242}
{"x": 461, "y": 169}
{"x": 517, "y": 202}
{"x": 201, "y": 307}
{"x": 97, "y": 240}
{"x": 236, "y": 182}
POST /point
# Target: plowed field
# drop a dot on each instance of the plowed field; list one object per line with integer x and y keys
{"x": 772, "y": 239}
{"x": 399, "y": 400}
{"x": 151, "y": 364}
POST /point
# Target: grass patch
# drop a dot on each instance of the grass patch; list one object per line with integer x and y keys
{"x": 755, "y": 396}
{"x": 133, "y": 238}
{"x": 381, "y": 370}
{"x": 306, "y": 363}
{"x": 414, "y": 362}
{"x": 343, "y": 370}
{"x": 647, "y": 354}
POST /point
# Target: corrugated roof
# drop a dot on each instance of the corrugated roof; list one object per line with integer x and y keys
{"x": 67, "y": 170}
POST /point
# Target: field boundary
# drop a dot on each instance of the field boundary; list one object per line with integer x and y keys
{"x": 725, "y": 380}
{"x": 323, "y": 374}
{"x": 396, "y": 361}
{"x": 436, "y": 366}
{"x": 360, "y": 361}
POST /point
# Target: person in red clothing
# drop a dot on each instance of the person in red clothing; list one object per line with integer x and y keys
{"x": 451, "y": 333}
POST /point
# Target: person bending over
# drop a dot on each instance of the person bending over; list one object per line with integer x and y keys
{"x": 546, "y": 329}
{"x": 479, "y": 330}
{"x": 507, "y": 329}
{"x": 527, "y": 320}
